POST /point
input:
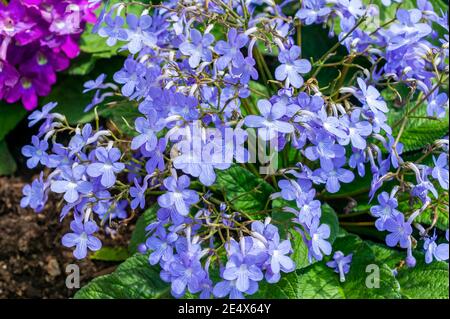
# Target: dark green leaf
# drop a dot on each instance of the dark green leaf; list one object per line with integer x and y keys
{"x": 424, "y": 281}
{"x": 139, "y": 234}
{"x": 7, "y": 164}
{"x": 314, "y": 282}
{"x": 245, "y": 191}
{"x": 133, "y": 279}
{"x": 11, "y": 115}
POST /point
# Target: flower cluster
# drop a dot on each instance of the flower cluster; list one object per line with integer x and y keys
{"x": 37, "y": 39}
{"x": 192, "y": 84}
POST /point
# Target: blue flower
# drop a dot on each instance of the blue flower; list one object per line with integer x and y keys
{"x": 137, "y": 192}
{"x": 313, "y": 11}
{"x": 399, "y": 231}
{"x": 161, "y": 244}
{"x": 292, "y": 67}
{"x": 371, "y": 98}
{"x": 38, "y": 115}
{"x": 147, "y": 129}
{"x": 139, "y": 33}
{"x": 177, "y": 195}
{"x": 82, "y": 238}
{"x": 35, "y": 195}
{"x": 437, "y": 104}
{"x": 384, "y": 211}
{"x": 36, "y": 152}
{"x": 318, "y": 244}
{"x": 278, "y": 260}
{"x": 433, "y": 250}
{"x": 230, "y": 51}
{"x": 269, "y": 123}
{"x": 94, "y": 84}
{"x": 72, "y": 184}
{"x": 325, "y": 150}
{"x": 332, "y": 177}
{"x": 242, "y": 270}
{"x": 246, "y": 70}
{"x": 113, "y": 30}
{"x": 198, "y": 48}
{"x": 130, "y": 75}
{"x": 341, "y": 264}
{"x": 107, "y": 167}
{"x": 440, "y": 170}
{"x": 357, "y": 130}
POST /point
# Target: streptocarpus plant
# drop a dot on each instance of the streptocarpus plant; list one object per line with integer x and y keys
{"x": 243, "y": 137}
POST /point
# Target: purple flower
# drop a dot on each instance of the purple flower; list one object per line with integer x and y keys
{"x": 384, "y": 211}
{"x": 177, "y": 195}
{"x": 72, "y": 184}
{"x": 198, "y": 48}
{"x": 341, "y": 264}
{"x": 107, "y": 167}
{"x": 36, "y": 152}
{"x": 292, "y": 67}
{"x": 440, "y": 170}
{"x": 269, "y": 123}
{"x": 82, "y": 238}
{"x": 230, "y": 51}
{"x": 399, "y": 231}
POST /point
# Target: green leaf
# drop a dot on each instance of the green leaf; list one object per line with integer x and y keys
{"x": 314, "y": 282}
{"x": 7, "y": 163}
{"x": 420, "y": 130}
{"x": 96, "y": 45}
{"x": 110, "y": 254}
{"x": 83, "y": 65}
{"x": 11, "y": 115}
{"x": 243, "y": 190}
{"x": 355, "y": 286}
{"x": 330, "y": 218}
{"x": 424, "y": 281}
{"x": 123, "y": 115}
{"x": 321, "y": 282}
{"x": 71, "y": 102}
{"x": 133, "y": 279}
{"x": 139, "y": 234}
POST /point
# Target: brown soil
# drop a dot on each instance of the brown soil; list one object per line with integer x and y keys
{"x": 32, "y": 259}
